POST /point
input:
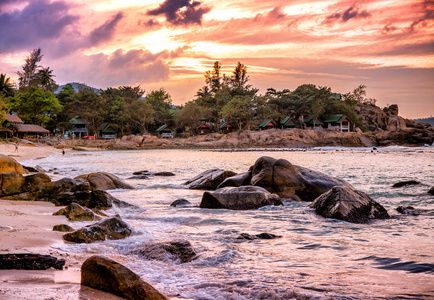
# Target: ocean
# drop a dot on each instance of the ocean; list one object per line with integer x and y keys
{"x": 314, "y": 258}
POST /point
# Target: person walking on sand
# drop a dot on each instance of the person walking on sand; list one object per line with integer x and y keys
{"x": 16, "y": 147}
{"x": 63, "y": 150}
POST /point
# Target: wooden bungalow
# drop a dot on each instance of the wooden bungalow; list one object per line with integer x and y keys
{"x": 107, "y": 131}
{"x": 337, "y": 122}
{"x": 7, "y": 128}
{"x": 79, "y": 127}
{"x": 288, "y": 123}
{"x": 312, "y": 123}
{"x": 30, "y": 130}
{"x": 165, "y": 131}
{"x": 226, "y": 127}
{"x": 267, "y": 124}
{"x": 204, "y": 128}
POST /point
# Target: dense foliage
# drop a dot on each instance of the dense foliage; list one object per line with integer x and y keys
{"x": 132, "y": 110}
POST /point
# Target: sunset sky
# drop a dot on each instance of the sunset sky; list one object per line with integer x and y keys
{"x": 386, "y": 45}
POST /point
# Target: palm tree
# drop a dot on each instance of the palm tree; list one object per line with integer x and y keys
{"x": 45, "y": 78}
{"x": 6, "y": 86}
{"x": 27, "y": 75}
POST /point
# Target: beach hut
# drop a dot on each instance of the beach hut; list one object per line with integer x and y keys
{"x": 7, "y": 128}
{"x": 165, "y": 131}
{"x": 267, "y": 124}
{"x": 226, "y": 127}
{"x": 79, "y": 127}
{"x": 107, "y": 131}
{"x": 204, "y": 128}
{"x": 288, "y": 123}
{"x": 337, "y": 122}
{"x": 310, "y": 122}
{"x": 30, "y": 130}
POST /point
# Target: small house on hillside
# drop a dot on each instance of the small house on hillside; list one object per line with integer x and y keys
{"x": 226, "y": 127}
{"x": 204, "y": 128}
{"x": 312, "y": 123}
{"x": 30, "y": 130}
{"x": 338, "y": 122}
{"x": 267, "y": 124}
{"x": 165, "y": 131}
{"x": 288, "y": 123}
{"x": 79, "y": 128}
{"x": 107, "y": 131}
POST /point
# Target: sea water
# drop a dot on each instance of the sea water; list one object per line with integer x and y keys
{"x": 315, "y": 257}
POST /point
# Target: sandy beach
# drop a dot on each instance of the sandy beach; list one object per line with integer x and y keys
{"x": 26, "y": 227}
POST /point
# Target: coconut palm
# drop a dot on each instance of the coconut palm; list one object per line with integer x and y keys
{"x": 6, "y": 86}
{"x": 45, "y": 79}
{"x": 27, "y": 77}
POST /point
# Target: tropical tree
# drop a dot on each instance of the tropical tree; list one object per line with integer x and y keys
{"x": 35, "y": 106}
{"x": 161, "y": 102}
{"x": 141, "y": 113}
{"x": 44, "y": 78}
{"x": 3, "y": 110}
{"x": 27, "y": 77}
{"x": 214, "y": 79}
{"x": 65, "y": 97}
{"x": 6, "y": 87}
{"x": 238, "y": 111}
{"x": 91, "y": 108}
{"x": 188, "y": 118}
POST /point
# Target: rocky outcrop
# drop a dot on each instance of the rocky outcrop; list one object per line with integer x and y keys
{"x": 239, "y": 198}
{"x": 8, "y": 164}
{"x": 111, "y": 229}
{"x": 93, "y": 199}
{"x": 209, "y": 180}
{"x": 279, "y": 176}
{"x": 11, "y": 183}
{"x": 177, "y": 250}
{"x": 75, "y": 212}
{"x": 30, "y": 261}
{"x": 375, "y": 118}
{"x": 408, "y": 210}
{"x": 347, "y": 204}
{"x": 63, "y": 228}
{"x": 180, "y": 203}
{"x": 106, "y": 275}
{"x": 104, "y": 181}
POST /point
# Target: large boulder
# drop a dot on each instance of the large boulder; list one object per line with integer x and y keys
{"x": 349, "y": 205}
{"x": 285, "y": 179}
{"x": 177, "y": 250}
{"x": 30, "y": 261}
{"x": 94, "y": 199}
{"x": 111, "y": 229}
{"x": 106, "y": 275}
{"x": 35, "y": 182}
{"x": 209, "y": 180}
{"x": 8, "y": 164}
{"x": 239, "y": 198}
{"x": 11, "y": 183}
{"x": 104, "y": 181}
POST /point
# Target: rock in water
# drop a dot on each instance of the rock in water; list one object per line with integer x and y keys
{"x": 431, "y": 191}
{"x": 239, "y": 198}
{"x": 175, "y": 250}
{"x": 104, "y": 181}
{"x": 404, "y": 183}
{"x": 180, "y": 203}
{"x": 209, "y": 180}
{"x": 63, "y": 228}
{"x": 30, "y": 261}
{"x": 349, "y": 205}
{"x": 285, "y": 179}
{"x": 75, "y": 212}
{"x": 112, "y": 229}
{"x": 8, "y": 164}
{"x": 106, "y": 275}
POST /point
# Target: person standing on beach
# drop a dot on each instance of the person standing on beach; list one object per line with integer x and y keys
{"x": 16, "y": 147}
{"x": 63, "y": 151}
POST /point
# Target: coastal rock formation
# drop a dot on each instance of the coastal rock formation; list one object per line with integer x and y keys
{"x": 239, "y": 198}
{"x": 180, "y": 203}
{"x": 104, "y": 181}
{"x": 30, "y": 261}
{"x": 8, "y": 164}
{"x": 209, "y": 180}
{"x": 93, "y": 199}
{"x": 112, "y": 229}
{"x": 63, "y": 228}
{"x": 408, "y": 210}
{"x": 261, "y": 236}
{"x": 11, "y": 183}
{"x": 177, "y": 250}
{"x": 347, "y": 204}
{"x": 106, "y": 275}
{"x": 75, "y": 212}
{"x": 279, "y": 176}
{"x": 35, "y": 182}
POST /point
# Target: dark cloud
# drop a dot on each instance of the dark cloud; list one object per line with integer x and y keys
{"x": 428, "y": 14}
{"x": 104, "y": 32}
{"x": 39, "y": 21}
{"x": 348, "y": 14}
{"x": 181, "y": 12}
{"x": 410, "y": 49}
{"x": 389, "y": 29}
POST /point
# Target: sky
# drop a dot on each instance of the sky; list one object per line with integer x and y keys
{"x": 386, "y": 45}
